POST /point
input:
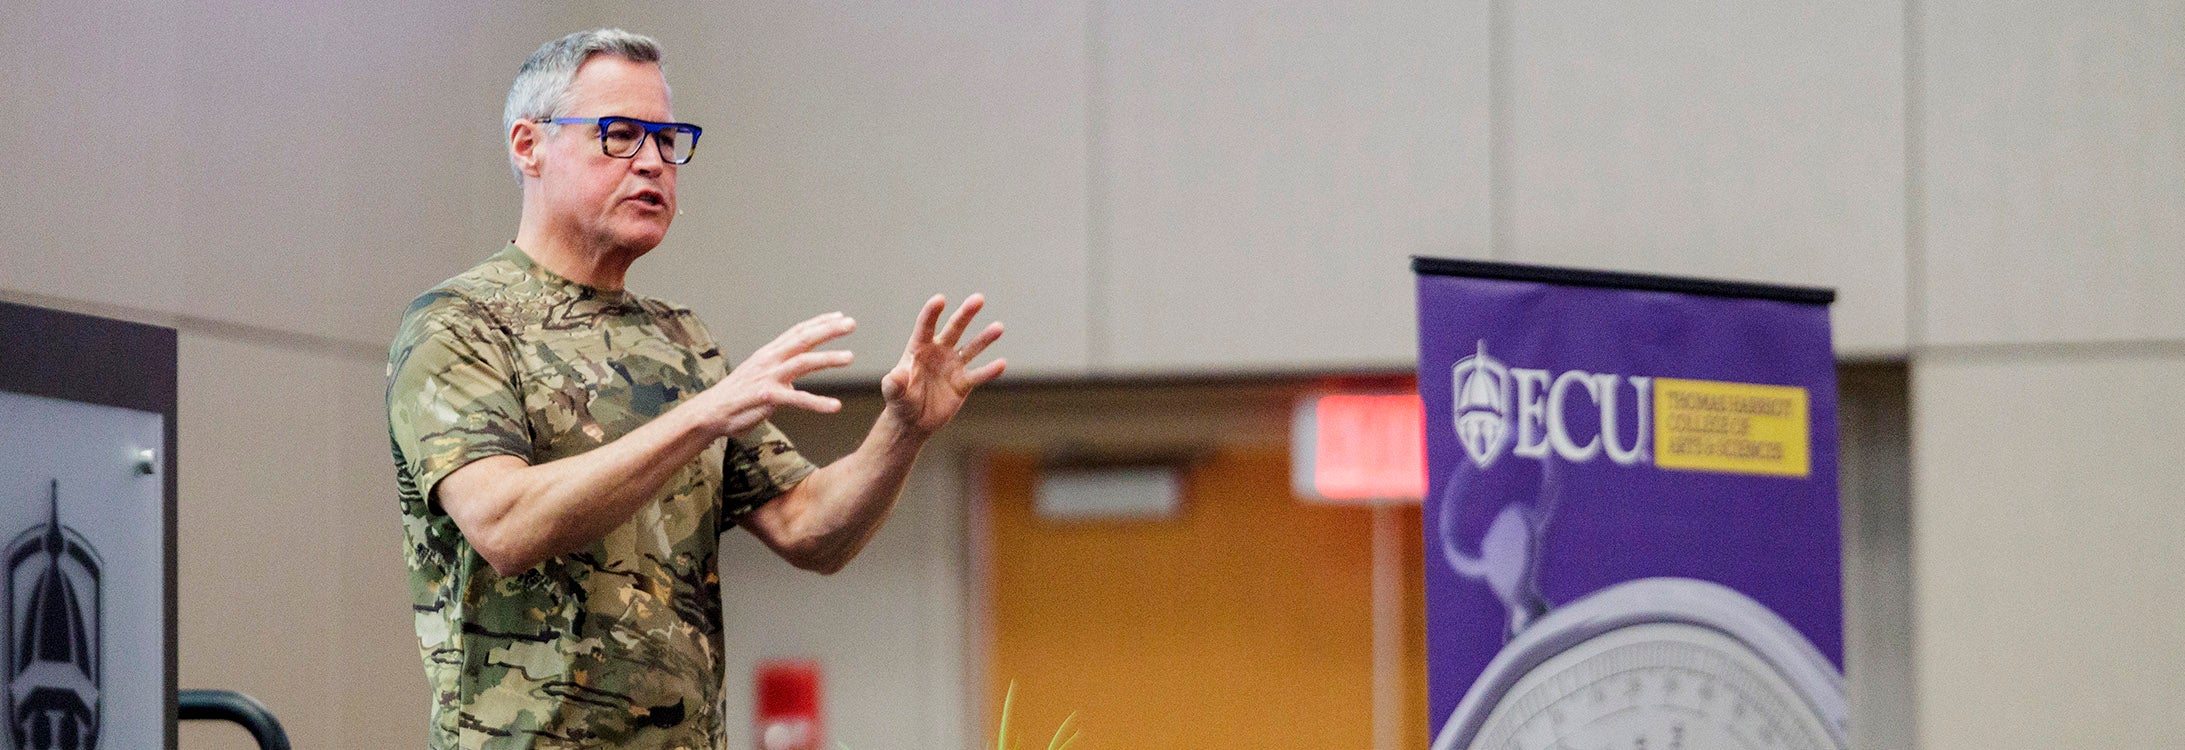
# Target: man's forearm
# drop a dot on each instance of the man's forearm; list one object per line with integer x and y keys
{"x": 823, "y": 522}
{"x": 518, "y": 516}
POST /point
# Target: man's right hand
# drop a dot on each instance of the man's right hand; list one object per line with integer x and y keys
{"x": 767, "y": 378}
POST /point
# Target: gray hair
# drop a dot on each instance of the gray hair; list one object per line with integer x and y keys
{"x": 545, "y": 82}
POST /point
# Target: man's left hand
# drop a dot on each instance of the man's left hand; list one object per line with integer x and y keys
{"x": 929, "y": 385}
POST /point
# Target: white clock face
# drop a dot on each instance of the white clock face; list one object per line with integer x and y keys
{"x": 1660, "y": 686}
{"x": 1654, "y": 664}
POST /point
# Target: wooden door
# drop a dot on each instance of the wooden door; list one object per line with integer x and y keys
{"x": 1245, "y": 622}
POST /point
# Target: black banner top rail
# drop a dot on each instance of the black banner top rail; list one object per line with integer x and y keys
{"x": 1483, "y": 269}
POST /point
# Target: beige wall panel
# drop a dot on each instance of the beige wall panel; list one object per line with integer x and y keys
{"x": 307, "y": 167}
{"x": 2048, "y": 530}
{"x": 292, "y": 586}
{"x": 98, "y": 216}
{"x": 1751, "y": 141}
{"x": 865, "y": 156}
{"x": 1263, "y": 171}
{"x": 888, "y": 631}
{"x": 383, "y": 700}
{"x": 425, "y": 187}
{"x": 2054, "y": 142}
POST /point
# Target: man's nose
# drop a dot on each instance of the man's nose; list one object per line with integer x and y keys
{"x": 647, "y": 161}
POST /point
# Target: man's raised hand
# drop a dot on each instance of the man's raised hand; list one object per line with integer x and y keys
{"x": 929, "y": 385}
{"x": 767, "y": 378}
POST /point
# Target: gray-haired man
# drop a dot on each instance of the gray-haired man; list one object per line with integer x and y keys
{"x": 568, "y": 452}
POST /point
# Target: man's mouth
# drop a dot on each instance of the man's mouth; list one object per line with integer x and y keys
{"x": 650, "y": 198}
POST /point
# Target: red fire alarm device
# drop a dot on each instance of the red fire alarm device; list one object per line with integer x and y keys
{"x": 787, "y": 716}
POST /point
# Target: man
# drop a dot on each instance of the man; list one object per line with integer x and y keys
{"x": 568, "y": 452}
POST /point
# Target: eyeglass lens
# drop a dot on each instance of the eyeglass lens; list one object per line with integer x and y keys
{"x": 622, "y": 138}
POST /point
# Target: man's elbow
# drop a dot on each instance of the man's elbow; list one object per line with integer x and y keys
{"x": 785, "y": 529}
{"x": 818, "y": 559}
{"x": 506, "y": 565}
{"x": 826, "y": 567}
{"x": 508, "y": 554}
{"x": 482, "y": 499}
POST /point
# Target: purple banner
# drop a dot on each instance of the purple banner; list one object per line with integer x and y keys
{"x": 1631, "y": 516}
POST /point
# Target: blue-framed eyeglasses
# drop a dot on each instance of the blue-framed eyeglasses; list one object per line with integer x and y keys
{"x": 621, "y": 137}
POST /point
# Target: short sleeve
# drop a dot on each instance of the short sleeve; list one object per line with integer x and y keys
{"x": 452, "y": 396}
{"x": 759, "y": 466}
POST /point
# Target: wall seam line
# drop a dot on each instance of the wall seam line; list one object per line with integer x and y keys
{"x": 225, "y": 330}
{"x": 1915, "y": 198}
{"x": 1498, "y": 145}
{"x": 1098, "y": 356}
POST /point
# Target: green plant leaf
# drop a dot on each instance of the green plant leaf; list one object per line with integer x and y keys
{"x": 1058, "y": 743}
{"x": 1001, "y": 738}
{"x": 1064, "y": 734}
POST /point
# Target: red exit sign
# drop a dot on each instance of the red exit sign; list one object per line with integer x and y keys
{"x": 1362, "y": 447}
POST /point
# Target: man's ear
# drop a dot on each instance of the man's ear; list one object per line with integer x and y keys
{"x": 526, "y": 145}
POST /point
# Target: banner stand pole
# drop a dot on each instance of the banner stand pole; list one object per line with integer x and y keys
{"x": 1388, "y": 609}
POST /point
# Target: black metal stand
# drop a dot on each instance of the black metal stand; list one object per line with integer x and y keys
{"x": 228, "y": 705}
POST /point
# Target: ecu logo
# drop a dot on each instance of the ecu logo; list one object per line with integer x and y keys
{"x": 52, "y": 635}
{"x": 1482, "y": 386}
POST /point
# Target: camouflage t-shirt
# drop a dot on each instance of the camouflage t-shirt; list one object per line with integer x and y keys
{"x": 617, "y": 645}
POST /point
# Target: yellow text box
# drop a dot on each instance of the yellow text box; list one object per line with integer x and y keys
{"x": 1740, "y": 428}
